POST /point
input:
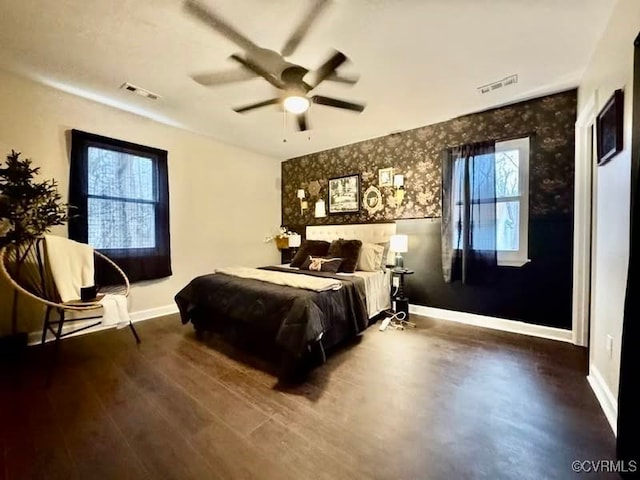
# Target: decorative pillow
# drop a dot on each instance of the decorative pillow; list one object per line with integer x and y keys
{"x": 321, "y": 264}
{"x": 348, "y": 250}
{"x": 317, "y": 248}
{"x": 370, "y": 257}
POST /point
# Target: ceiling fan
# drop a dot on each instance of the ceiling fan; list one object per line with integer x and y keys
{"x": 274, "y": 68}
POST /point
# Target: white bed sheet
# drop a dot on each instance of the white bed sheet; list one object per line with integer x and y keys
{"x": 377, "y": 289}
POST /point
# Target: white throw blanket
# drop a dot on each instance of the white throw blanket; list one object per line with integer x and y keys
{"x": 116, "y": 311}
{"x": 71, "y": 265}
{"x": 296, "y": 280}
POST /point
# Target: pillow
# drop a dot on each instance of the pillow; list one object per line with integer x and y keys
{"x": 317, "y": 248}
{"x": 348, "y": 250}
{"x": 370, "y": 258}
{"x": 384, "y": 261}
{"x": 321, "y": 264}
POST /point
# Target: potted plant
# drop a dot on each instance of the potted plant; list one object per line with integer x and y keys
{"x": 28, "y": 209}
{"x": 281, "y": 238}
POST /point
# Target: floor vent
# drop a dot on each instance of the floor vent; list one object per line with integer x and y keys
{"x": 139, "y": 91}
{"x": 505, "y": 82}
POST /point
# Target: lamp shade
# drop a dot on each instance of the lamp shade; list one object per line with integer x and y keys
{"x": 295, "y": 240}
{"x": 301, "y": 194}
{"x": 398, "y": 181}
{"x": 399, "y": 243}
{"x": 321, "y": 210}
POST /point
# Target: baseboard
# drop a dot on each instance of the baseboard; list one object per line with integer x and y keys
{"x": 494, "y": 323}
{"x": 154, "y": 312}
{"x": 606, "y": 399}
{"x": 34, "y": 338}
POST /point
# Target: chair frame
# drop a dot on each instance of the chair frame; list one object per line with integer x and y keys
{"x": 56, "y": 326}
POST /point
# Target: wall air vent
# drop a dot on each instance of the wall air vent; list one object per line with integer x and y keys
{"x": 505, "y": 82}
{"x": 139, "y": 91}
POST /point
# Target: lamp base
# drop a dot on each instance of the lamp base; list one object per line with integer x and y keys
{"x": 399, "y": 261}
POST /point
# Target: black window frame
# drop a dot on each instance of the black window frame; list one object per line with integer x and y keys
{"x": 138, "y": 263}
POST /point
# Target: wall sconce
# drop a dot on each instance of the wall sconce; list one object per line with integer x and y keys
{"x": 303, "y": 203}
{"x": 321, "y": 210}
{"x": 398, "y": 183}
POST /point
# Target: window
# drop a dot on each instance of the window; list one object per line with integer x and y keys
{"x": 511, "y": 177}
{"x": 120, "y": 191}
{"x": 512, "y": 201}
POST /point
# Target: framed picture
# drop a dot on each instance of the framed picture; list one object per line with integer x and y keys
{"x": 344, "y": 194}
{"x": 609, "y": 128}
{"x": 372, "y": 200}
{"x": 385, "y": 177}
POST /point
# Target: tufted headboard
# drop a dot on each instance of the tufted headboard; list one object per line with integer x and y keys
{"x": 368, "y": 233}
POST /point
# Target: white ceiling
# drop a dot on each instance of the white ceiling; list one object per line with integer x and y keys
{"x": 419, "y": 61}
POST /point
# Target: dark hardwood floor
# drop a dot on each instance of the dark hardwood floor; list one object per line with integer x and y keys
{"x": 444, "y": 401}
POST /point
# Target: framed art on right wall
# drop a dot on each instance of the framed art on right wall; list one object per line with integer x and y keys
{"x": 610, "y": 128}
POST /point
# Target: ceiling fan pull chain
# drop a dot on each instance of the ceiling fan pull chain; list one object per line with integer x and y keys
{"x": 284, "y": 126}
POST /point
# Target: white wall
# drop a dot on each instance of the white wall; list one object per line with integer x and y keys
{"x": 611, "y": 67}
{"x": 223, "y": 200}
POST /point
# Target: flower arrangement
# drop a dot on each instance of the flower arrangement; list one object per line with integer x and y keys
{"x": 281, "y": 238}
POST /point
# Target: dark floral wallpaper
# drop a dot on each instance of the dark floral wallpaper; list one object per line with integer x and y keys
{"x": 417, "y": 155}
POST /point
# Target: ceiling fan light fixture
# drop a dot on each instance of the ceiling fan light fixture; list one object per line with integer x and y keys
{"x": 296, "y": 104}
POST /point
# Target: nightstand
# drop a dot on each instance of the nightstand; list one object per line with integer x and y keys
{"x": 399, "y": 302}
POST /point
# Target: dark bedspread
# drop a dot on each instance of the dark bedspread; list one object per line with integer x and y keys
{"x": 292, "y": 317}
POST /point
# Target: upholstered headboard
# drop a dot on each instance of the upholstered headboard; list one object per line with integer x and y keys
{"x": 367, "y": 233}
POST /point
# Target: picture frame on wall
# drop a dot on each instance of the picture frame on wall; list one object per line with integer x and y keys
{"x": 344, "y": 194}
{"x": 372, "y": 200}
{"x": 609, "y": 128}
{"x": 385, "y": 177}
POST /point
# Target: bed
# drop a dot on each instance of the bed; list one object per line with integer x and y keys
{"x": 302, "y": 323}
{"x": 377, "y": 284}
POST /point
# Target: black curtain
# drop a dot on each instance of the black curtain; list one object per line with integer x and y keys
{"x": 145, "y": 259}
{"x": 469, "y": 213}
{"x": 628, "y": 441}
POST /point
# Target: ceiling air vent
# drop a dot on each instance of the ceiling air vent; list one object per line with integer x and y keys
{"x": 139, "y": 91}
{"x": 505, "y": 82}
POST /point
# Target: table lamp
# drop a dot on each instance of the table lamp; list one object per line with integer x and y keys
{"x": 294, "y": 242}
{"x": 400, "y": 245}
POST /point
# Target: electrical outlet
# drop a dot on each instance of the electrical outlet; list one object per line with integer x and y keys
{"x": 396, "y": 282}
{"x": 610, "y": 346}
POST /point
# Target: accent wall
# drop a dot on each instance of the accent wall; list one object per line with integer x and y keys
{"x": 540, "y": 291}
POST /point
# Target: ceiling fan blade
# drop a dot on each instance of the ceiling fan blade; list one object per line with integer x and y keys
{"x": 257, "y": 69}
{"x": 334, "y": 102}
{"x": 223, "y": 77}
{"x": 253, "y": 106}
{"x": 206, "y": 15}
{"x": 329, "y": 67}
{"x": 336, "y": 77}
{"x": 303, "y": 28}
{"x": 302, "y": 121}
